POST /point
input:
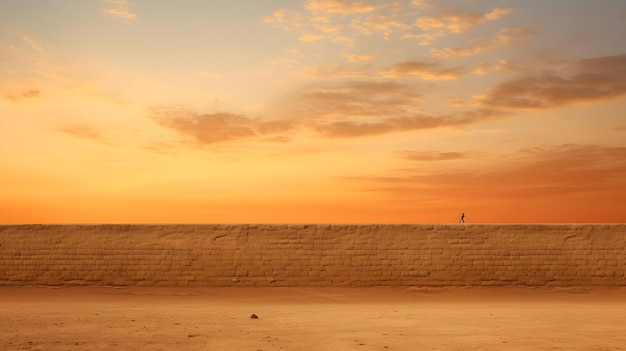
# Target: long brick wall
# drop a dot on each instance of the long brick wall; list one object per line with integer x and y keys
{"x": 313, "y": 255}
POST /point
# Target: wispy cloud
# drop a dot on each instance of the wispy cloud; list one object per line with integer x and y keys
{"x": 361, "y": 108}
{"x": 427, "y": 70}
{"x": 528, "y": 174}
{"x": 356, "y": 99}
{"x": 341, "y": 7}
{"x": 32, "y": 43}
{"x": 380, "y": 23}
{"x": 576, "y": 81}
{"x": 119, "y": 8}
{"x": 285, "y": 19}
{"x": 458, "y": 22}
{"x": 208, "y": 74}
{"x": 429, "y": 156}
{"x": 221, "y": 127}
{"x": 359, "y": 58}
{"x": 353, "y": 129}
{"x": 454, "y": 22}
{"x": 337, "y": 71}
{"x": 30, "y": 94}
{"x": 86, "y": 132}
{"x": 342, "y": 21}
{"x": 310, "y": 37}
{"x": 336, "y": 121}
{"x": 456, "y": 101}
{"x": 505, "y": 36}
{"x": 389, "y": 19}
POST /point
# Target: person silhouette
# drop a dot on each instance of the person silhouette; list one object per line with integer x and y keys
{"x": 462, "y": 218}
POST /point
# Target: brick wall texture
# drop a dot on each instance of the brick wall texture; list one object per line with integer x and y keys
{"x": 313, "y": 255}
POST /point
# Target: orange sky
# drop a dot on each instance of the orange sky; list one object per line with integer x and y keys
{"x": 318, "y": 111}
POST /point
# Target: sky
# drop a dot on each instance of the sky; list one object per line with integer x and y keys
{"x": 312, "y": 111}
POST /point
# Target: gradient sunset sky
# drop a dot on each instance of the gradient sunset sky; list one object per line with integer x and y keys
{"x": 317, "y": 111}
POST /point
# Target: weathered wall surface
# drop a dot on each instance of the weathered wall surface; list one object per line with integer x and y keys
{"x": 313, "y": 255}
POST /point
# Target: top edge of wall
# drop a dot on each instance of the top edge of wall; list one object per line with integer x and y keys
{"x": 306, "y": 224}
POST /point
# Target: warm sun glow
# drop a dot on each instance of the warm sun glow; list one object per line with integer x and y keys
{"x": 333, "y": 111}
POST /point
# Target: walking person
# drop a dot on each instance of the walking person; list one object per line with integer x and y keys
{"x": 462, "y": 218}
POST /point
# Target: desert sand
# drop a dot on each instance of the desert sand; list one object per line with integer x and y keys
{"x": 134, "y": 318}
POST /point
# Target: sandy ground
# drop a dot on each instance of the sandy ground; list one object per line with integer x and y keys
{"x": 312, "y": 319}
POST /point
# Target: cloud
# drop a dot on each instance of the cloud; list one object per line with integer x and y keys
{"x": 497, "y": 13}
{"x": 352, "y": 129}
{"x": 119, "y": 8}
{"x": 285, "y": 19}
{"x": 118, "y": 138}
{"x": 482, "y": 69}
{"x": 337, "y": 71}
{"x": 458, "y": 22}
{"x": 331, "y": 110}
{"x": 424, "y": 70}
{"x": 504, "y": 37}
{"x": 359, "y": 58}
{"x": 539, "y": 173}
{"x": 325, "y": 24}
{"x": 425, "y": 38}
{"x": 274, "y": 127}
{"x": 381, "y": 24}
{"x": 85, "y": 132}
{"x": 309, "y": 37}
{"x": 453, "y": 23}
{"x": 456, "y": 101}
{"x": 277, "y": 139}
{"x": 341, "y": 7}
{"x": 29, "y": 94}
{"x": 160, "y": 147}
{"x": 220, "y": 127}
{"x": 580, "y": 80}
{"x": 208, "y": 74}
{"x": 425, "y": 156}
{"x": 34, "y": 44}
{"x": 342, "y": 21}
{"x": 355, "y": 99}
{"x": 367, "y": 108}
{"x": 342, "y": 39}
{"x": 388, "y": 19}
{"x": 215, "y": 128}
